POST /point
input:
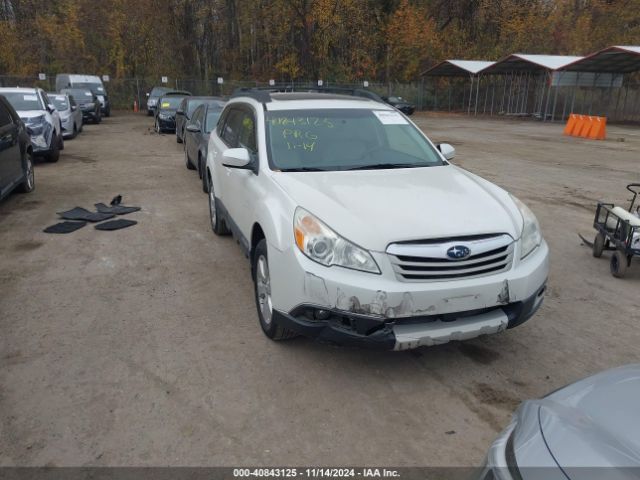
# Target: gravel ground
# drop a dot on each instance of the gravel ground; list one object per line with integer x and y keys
{"x": 142, "y": 346}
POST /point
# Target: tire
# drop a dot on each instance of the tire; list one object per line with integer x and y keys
{"x": 187, "y": 160}
{"x": 29, "y": 184}
{"x": 205, "y": 184}
{"x": 107, "y": 113}
{"x": 199, "y": 166}
{"x": 75, "y": 131}
{"x": 618, "y": 264}
{"x": 61, "y": 142}
{"x": 598, "y": 245}
{"x": 54, "y": 155}
{"x": 262, "y": 290}
{"x": 156, "y": 127}
{"x": 217, "y": 224}
{"x": 178, "y": 138}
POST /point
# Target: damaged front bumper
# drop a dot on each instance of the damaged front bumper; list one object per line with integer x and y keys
{"x": 405, "y": 333}
{"x": 355, "y": 308}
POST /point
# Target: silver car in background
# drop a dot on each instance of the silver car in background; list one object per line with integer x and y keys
{"x": 587, "y": 430}
{"x": 70, "y": 114}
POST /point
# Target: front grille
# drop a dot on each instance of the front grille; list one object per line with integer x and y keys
{"x": 428, "y": 260}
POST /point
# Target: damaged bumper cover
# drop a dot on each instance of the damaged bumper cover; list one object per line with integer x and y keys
{"x": 345, "y": 328}
{"x": 350, "y": 307}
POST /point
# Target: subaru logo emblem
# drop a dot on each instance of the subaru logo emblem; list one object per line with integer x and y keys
{"x": 458, "y": 252}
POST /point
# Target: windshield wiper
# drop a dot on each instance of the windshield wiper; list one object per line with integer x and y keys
{"x": 303, "y": 169}
{"x": 382, "y": 166}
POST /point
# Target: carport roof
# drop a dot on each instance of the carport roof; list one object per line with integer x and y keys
{"x": 520, "y": 62}
{"x": 456, "y": 68}
{"x": 616, "y": 59}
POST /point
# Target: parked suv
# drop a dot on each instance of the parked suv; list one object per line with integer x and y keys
{"x": 16, "y": 161}
{"x": 90, "y": 82}
{"x": 360, "y": 231}
{"x": 40, "y": 117}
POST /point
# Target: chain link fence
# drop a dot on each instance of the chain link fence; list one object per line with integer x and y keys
{"x": 123, "y": 92}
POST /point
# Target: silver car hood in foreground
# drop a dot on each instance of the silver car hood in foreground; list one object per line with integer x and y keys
{"x": 585, "y": 428}
{"x": 596, "y": 421}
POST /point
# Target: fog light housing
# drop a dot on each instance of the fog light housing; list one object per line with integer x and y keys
{"x": 321, "y": 314}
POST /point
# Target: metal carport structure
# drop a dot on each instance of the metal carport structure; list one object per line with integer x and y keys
{"x": 526, "y": 81}
{"x": 612, "y": 69}
{"x": 453, "y": 70}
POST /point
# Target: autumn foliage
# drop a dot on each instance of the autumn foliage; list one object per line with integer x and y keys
{"x": 341, "y": 40}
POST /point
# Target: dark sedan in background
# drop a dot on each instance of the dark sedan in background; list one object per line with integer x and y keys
{"x": 156, "y": 93}
{"x": 166, "y": 113}
{"x": 185, "y": 113}
{"x": 16, "y": 160}
{"x": 196, "y": 135}
{"x": 88, "y": 102}
{"x": 401, "y": 104}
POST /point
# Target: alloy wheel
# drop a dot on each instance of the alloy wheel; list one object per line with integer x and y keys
{"x": 263, "y": 287}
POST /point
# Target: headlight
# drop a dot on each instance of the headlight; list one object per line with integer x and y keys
{"x": 531, "y": 236}
{"x": 35, "y": 125}
{"x": 321, "y": 244}
{"x": 151, "y": 102}
{"x": 164, "y": 116}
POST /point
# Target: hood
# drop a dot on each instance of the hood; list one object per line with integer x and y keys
{"x": 595, "y": 422}
{"x": 27, "y": 114}
{"x": 374, "y": 208}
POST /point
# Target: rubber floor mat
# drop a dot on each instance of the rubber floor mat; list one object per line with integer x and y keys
{"x": 116, "y": 209}
{"x": 115, "y": 224}
{"x": 79, "y": 213}
{"x": 64, "y": 227}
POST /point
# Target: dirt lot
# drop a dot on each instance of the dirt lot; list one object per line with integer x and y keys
{"x": 142, "y": 346}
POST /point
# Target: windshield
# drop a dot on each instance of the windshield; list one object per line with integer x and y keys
{"x": 23, "y": 101}
{"x": 170, "y": 103}
{"x": 157, "y": 91}
{"x": 213, "y": 115}
{"x": 192, "y": 105}
{"x": 80, "y": 96}
{"x": 94, "y": 87}
{"x": 60, "y": 102}
{"x": 341, "y": 139}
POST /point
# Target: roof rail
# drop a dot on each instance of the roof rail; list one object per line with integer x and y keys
{"x": 263, "y": 94}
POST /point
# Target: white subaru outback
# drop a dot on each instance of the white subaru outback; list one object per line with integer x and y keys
{"x": 360, "y": 231}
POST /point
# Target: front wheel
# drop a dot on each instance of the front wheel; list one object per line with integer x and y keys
{"x": 203, "y": 176}
{"x": 618, "y": 264}
{"x": 187, "y": 160}
{"x": 262, "y": 288}
{"x": 598, "y": 245}
{"x": 156, "y": 127}
{"x": 28, "y": 184}
{"x": 54, "y": 154}
{"x": 217, "y": 224}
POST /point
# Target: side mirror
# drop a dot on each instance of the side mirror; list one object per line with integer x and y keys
{"x": 51, "y": 108}
{"x": 446, "y": 150}
{"x": 236, "y": 158}
{"x": 179, "y": 112}
{"x": 193, "y": 128}
{"x": 74, "y": 108}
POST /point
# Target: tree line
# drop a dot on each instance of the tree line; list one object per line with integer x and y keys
{"x": 338, "y": 40}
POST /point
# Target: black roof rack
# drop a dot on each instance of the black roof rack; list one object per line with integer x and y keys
{"x": 263, "y": 94}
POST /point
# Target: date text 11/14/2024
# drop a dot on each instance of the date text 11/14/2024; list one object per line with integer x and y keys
{"x": 316, "y": 472}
